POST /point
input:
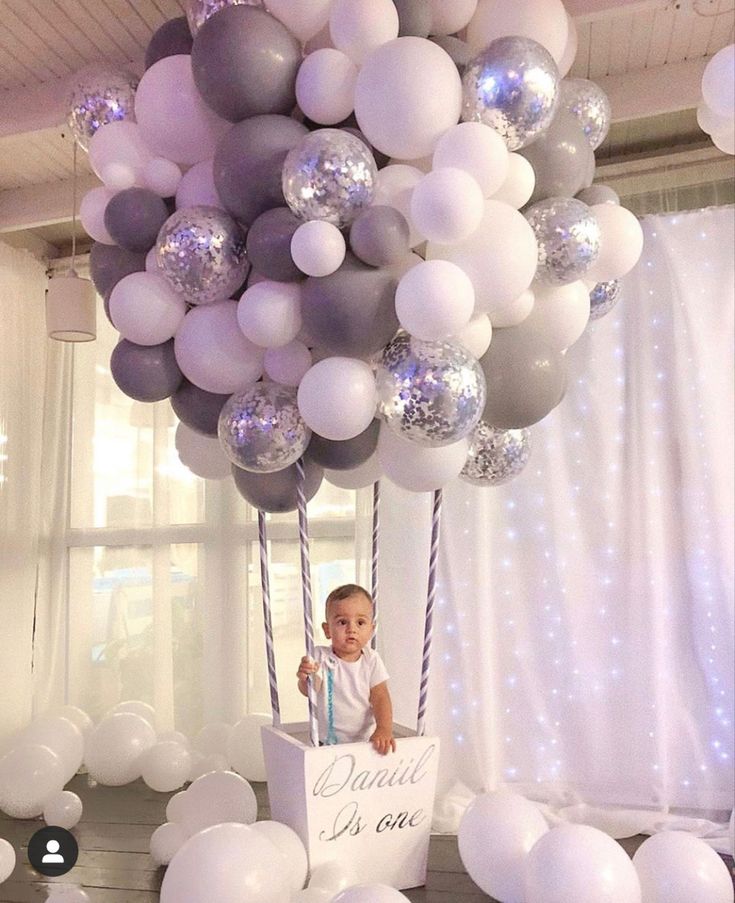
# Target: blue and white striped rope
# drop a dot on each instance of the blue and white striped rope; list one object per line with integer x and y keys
{"x": 306, "y": 593}
{"x": 429, "y": 620}
{"x": 267, "y": 620}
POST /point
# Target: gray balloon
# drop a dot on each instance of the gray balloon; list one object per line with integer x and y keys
{"x": 245, "y": 63}
{"x": 414, "y": 18}
{"x": 198, "y": 409}
{"x": 351, "y": 312}
{"x": 460, "y": 51}
{"x": 344, "y": 455}
{"x": 248, "y": 164}
{"x": 269, "y": 245}
{"x": 561, "y": 158}
{"x": 379, "y": 236}
{"x": 145, "y": 372}
{"x": 598, "y": 194}
{"x": 133, "y": 217}
{"x": 276, "y": 492}
{"x": 108, "y": 264}
{"x": 525, "y": 378}
{"x": 171, "y": 39}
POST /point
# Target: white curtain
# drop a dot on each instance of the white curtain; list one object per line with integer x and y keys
{"x": 583, "y": 644}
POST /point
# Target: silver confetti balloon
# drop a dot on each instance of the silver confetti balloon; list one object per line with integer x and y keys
{"x": 261, "y": 429}
{"x": 198, "y": 11}
{"x": 512, "y": 86}
{"x": 589, "y": 103}
{"x": 495, "y": 456}
{"x": 568, "y": 238}
{"x": 432, "y": 393}
{"x": 100, "y": 95}
{"x": 201, "y": 251}
{"x": 603, "y": 297}
{"x": 330, "y": 175}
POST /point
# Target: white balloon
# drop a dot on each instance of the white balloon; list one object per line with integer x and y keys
{"x": 62, "y": 736}
{"x": 621, "y": 242}
{"x": 177, "y": 737}
{"x": 560, "y": 313}
{"x": 476, "y": 335}
{"x": 394, "y": 188}
{"x": 227, "y": 862}
{"x": 515, "y": 311}
{"x": 197, "y": 187}
{"x": 174, "y": 121}
{"x": 325, "y": 86}
{"x": 318, "y": 248}
{"x": 213, "y": 353}
{"x": 496, "y": 833}
{"x": 92, "y": 214}
{"x": 500, "y": 257}
{"x": 63, "y": 809}
{"x": 478, "y": 150}
{"x": 337, "y": 397}
{"x": 416, "y": 467}
{"x": 269, "y": 313}
{"x": 114, "y": 748}
{"x": 544, "y": 21}
{"x": 303, "y": 19}
{"x": 711, "y": 122}
{"x": 29, "y": 775}
{"x": 165, "y": 766}
{"x": 288, "y": 364}
{"x": 408, "y": 93}
{"x": 725, "y": 140}
{"x": 77, "y": 715}
{"x": 570, "y": 50}
{"x": 166, "y": 841}
{"x": 519, "y": 183}
{"x": 434, "y": 300}
{"x": 288, "y": 843}
{"x": 216, "y": 797}
{"x": 213, "y": 738}
{"x": 718, "y": 82}
{"x": 137, "y": 707}
{"x": 7, "y": 860}
{"x": 359, "y": 477}
{"x": 676, "y": 867}
{"x": 370, "y": 893}
{"x": 245, "y": 750}
{"x": 145, "y": 309}
{"x": 358, "y": 28}
{"x": 451, "y": 16}
{"x": 333, "y": 876}
{"x": 118, "y": 154}
{"x": 176, "y": 807}
{"x": 447, "y": 205}
{"x": 151, "y": 261}
{"x": 203, "y": 455}
{"x": 162, "y": 176}
{"x": 577, "y": 864}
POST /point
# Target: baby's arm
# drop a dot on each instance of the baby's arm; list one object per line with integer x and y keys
{"x": 308, "y": 667}
{"x": 382, "y": 738}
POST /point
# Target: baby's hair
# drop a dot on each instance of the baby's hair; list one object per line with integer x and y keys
{"x": 344, "y": 592}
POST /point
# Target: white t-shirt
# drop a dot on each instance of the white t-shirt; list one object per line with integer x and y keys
{"x": 352, "y": 683}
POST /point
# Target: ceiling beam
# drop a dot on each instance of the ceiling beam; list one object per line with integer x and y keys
{"x": 41, "y": 205}
{"x": 591, "y": 10}
{"x": 650, "y": 92}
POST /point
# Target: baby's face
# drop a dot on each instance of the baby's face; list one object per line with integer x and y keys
{"x": 349, "y": 626}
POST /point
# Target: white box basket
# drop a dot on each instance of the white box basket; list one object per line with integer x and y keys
{"x": 348, "y": 802}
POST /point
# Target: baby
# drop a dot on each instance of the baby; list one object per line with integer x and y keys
{"x": 359, "y": 705}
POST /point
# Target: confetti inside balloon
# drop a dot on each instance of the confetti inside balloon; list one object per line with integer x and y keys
{"x": 432, "y": 393}
{"x": 261, "y": 429}
{"x": 512, "y": 86}
{"x": 99, "y": 96}
{"x": 589, "y": 103}
{"x": 330, "y": 175}
{"x": 201, "y": 251}
{"x": 568, "y": 237}
{"x": 495, "y": 456}
{"x": 603, "y": 297}
{"x": 198, "y": 11}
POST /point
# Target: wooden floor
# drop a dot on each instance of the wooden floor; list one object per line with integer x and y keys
{"x": 114, "y": 865}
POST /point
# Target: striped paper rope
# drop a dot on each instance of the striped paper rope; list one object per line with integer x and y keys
{"x": 306, "y": 593}
{"x": 374, "y": 568}
{"x": 267, "y": 621}
{"x": 429, "y": 620}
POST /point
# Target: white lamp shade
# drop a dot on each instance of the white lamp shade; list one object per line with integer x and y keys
{"x": 71, "y": 309}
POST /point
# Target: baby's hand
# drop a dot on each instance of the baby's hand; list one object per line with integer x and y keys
{"x": 383, "y": 741}
{"x": 307, "y": 668}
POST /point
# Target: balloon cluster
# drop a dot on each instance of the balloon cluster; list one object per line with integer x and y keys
{"x": 333, "y": 230}
{"x": 716, "y": 111}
